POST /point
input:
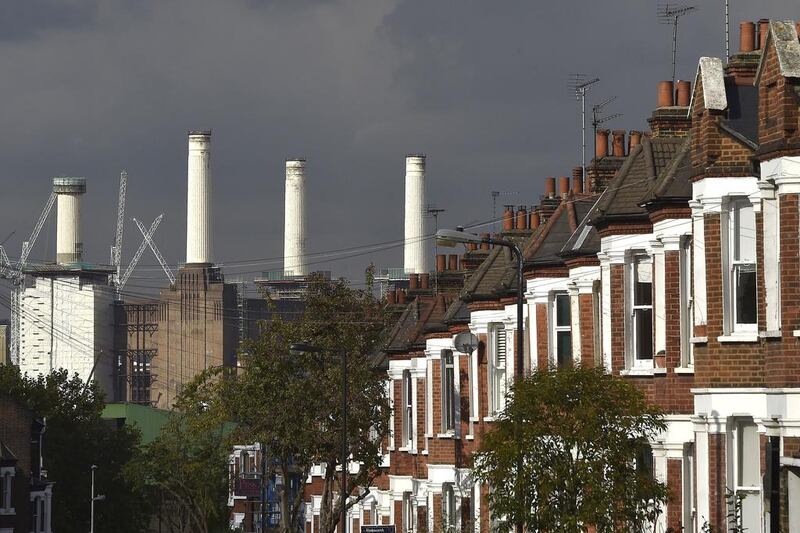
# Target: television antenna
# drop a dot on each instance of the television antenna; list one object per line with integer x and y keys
{"x": 580, "y": 86}
{"x": 597, "y": 119}
{"x": 670, "y": 14}
{"x": 495, "y": 196}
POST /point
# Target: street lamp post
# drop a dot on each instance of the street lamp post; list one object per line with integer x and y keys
{"x": 449, "y": 237}
{"x": 95, "y": 498}
{"x": 308, "y": 348}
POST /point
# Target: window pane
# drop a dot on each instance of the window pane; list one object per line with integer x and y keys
{"x": 564, "y": 347}
{"x": 745, "y": 294}
{"x": 744, "y": 228}
{"x": 562, "y": 310}
{"x": 643, "y": 319}
{"x": 642, "y": 282}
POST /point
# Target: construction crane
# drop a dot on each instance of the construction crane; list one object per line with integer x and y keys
{"x": 139, "y": 252}
{"x": 149, "y": 238}
{"x": 116, "y": 250}
{"x": 17, "y": 276}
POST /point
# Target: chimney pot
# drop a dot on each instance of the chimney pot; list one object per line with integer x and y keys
{"x": 535, "y": 219}
{"x": 401, "y": 296}
{"x": 618, "y": 143}
{"x": 452, "y": 262}
{"x": 508, "y": 218}
{"x": 763, "y": 31}
{"x": 747, "y": 36}
{"x": 391, "y": 298}
{"x": 413, "y": 282}
{"x": 684, "y": 92}
{"x": 472, "y": 246}
{"x": 441, "y": 262}
{"x": 522, "y": 217}
{"x": 601, "y": 144}
{"x": 424, "y": 280}
{"x": 550, "y": 187}
{"x": 634, "y": 139}
{"x": 563, "y": 186}
{"x": 665, "y": 94}
{"x": 484, "y": 245}
{"x": 577, "y": 180}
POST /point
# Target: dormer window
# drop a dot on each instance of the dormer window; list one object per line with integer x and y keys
{"x": 740, "y": 271}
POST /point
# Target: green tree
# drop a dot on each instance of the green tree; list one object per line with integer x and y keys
{"x": 580, "y": 437}
{"x": 75, "y": 439}
{"x": 184, "y": 471}
{"x": 292, "y": 403}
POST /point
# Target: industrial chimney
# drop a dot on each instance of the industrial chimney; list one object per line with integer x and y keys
{"x": 294, "y": 235}
{"x": 198, "y": 211}
{"x": 415, "y": 258}
{"x": 69, "y": 248}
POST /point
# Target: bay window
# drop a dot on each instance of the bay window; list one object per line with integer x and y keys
{"x": 746, "y": 475}
{"x": 741, "y": 266}
{"x": 640, "y": 310}
{"x": 448, "y": 391}
{"x": 561, "y": 331}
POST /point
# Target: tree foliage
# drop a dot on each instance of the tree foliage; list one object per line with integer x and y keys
{"x": 75, "y": 439}
{"x": 184, "y": 470}
{"x": 579, "y": 436}
{"x": 292, "y": 403}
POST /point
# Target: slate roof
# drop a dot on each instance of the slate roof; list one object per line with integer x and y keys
{"x": 584, "y": 241}
{"x": 783, "y": 34}
{"x": 497, "y": 275}
{"x": 545, "y": 247}
{"x": 638, "y": 174}
{"x": 457, "y": 313}
{"x": 424, "y": 314}
{"x": 673, "y": 182}
{"x": 742, "y": 119}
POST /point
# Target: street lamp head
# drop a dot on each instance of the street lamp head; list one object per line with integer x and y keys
{"x": 300, "y": 348}
{"x": 450, "y": 237}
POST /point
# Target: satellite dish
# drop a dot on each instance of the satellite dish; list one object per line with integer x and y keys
{"x": 466, "y": 342}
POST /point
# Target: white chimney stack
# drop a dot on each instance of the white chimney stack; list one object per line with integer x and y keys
{"x": 415, "y": 260}
{"x": 198, "y": 211}
{"x": 294, "y": 236}
{"x": 69, "y": 247}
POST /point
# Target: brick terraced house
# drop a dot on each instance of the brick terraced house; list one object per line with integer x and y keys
{"x": 673, "y": 263}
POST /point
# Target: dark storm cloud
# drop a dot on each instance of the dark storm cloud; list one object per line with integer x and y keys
{"x": 27, "y": 19}
{"x": 90, "y": 88}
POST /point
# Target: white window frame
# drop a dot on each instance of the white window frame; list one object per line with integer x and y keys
{"x": 449, "y": 508}
{"x": 449, "y": 395}
{"x": 408, "y": 408}
{"x": 686, "y": 301}
{"x": 7, "y": 480}
{"x": 409, "y": 516}
{"x": 732, "y": 266}
{"x": 498, "y": 364}
{"x": 555, "y": 329}
{"x": 687, "y": 481}
{"x": 636, "y": 311}
{"x": 744, "y": 453}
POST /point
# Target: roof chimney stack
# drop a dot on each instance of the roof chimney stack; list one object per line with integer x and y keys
{"x": 522, "y": 218}
{"x": 601, "y": 144}
{"x": 763, "y": 31}
{"x": 441, "y": 262}
{"x": 535, "y": 220}
{"x": 508, "y": 218}
{"x": 294, "y": 231}
{"x": 747, "y": 36}
{"x": 198, "y": 210}
{"x": 549, "y": 187}
{"x": 634, "y": 139}
{"x": 563, "y": 186}
{"x": 415, "y": 258}
{"x": 452, "y": 262}
{"x": 665, "y": 94}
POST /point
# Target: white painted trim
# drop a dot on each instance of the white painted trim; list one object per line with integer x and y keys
{"x": 738, "y": 337}
{"x": 785, "y": 172}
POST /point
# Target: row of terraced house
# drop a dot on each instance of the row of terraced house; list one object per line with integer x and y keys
{"x": 674, "y": 262}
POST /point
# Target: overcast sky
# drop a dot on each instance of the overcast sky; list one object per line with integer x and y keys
{"x": 93, "y": 87}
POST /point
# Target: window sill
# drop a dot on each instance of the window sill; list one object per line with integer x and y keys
{"x": 738, "y": 337}
{"x": 470, "y": 437}
{"x": 488, "y": 419}
{"x": 689, "y": 370}
{"x": 643, "y": 372}
{"x": 699, "y": 340}
{"x": 771, "y": 334}
{"x": 796, "y": 333}
{"x": 449, "y": 435}
{"x": 8, "y": 512}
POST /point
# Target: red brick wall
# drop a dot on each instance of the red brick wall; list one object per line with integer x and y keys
{"x": 617, "y": 319}
{"x": 541, "y": 336}
{"x": 778, "y": 109}
{"x": 586, "y": 313}
{"x": 716, "y": 480}
{"x": 675, "y": 485}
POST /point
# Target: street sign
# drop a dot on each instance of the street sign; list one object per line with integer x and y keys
{"x": 378, "y": 529}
